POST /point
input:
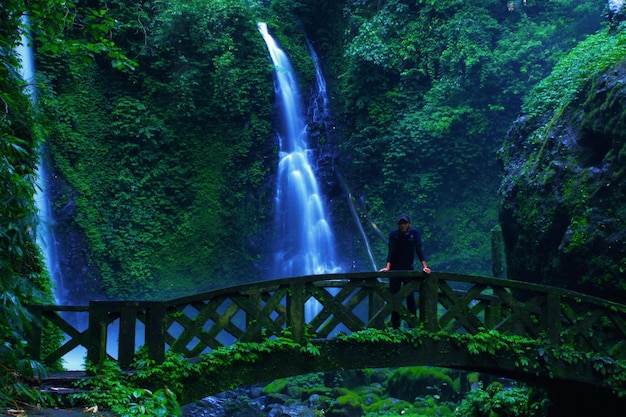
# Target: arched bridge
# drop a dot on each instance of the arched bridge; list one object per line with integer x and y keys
{"x": 529, "y": 332}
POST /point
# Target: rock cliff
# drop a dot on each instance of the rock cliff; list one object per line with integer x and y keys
{"x": 563, "y": 210}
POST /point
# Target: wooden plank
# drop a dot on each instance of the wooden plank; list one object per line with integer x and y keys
{"x": 457, "y": 308}
{"x": 261, "y": 320}
{"x": 336, "y": 312}
{"x": 521, "y": 315}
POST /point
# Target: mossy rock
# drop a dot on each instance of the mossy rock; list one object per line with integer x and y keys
{"x": 389, "y": 405}
{"x": 417, "y": 381}
{"x": 301, "y": 386}
{"x": 348, "y": 405}
{"x": 355, "y": 378}
{"x": 277, "y": 386}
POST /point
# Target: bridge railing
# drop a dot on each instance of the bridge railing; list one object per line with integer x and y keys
{"x": 326, "y": 305}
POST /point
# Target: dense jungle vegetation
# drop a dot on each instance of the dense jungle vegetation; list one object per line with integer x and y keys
{"x": 157, "y": 119}
{"x": 164, "y": 163}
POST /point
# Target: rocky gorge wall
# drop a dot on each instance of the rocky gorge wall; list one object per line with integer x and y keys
{"x": 563, "y": 210}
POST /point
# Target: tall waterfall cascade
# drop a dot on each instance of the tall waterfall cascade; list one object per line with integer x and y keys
{"x": 45, "y": 233}
{"x": 304, "y": 239}
{"x": 73, "y": 360}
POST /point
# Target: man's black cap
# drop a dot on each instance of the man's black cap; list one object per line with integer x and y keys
{"x": 404, "y": 217}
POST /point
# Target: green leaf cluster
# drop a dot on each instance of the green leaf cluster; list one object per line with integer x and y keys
{"x": 494, "y": 400}
{"x": 108, "y": 387}
{"x": 21, "y": 280}
{"x": 592, "y": 56}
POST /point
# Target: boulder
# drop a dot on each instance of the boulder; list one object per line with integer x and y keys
{"x": 563, "y": 210}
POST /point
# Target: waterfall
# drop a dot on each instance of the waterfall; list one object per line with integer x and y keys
{"x": 321, "y": 115}
{"x": 45, "y": 233}
{"x": 304, "y": 239}
{"x": 46, "y": 239}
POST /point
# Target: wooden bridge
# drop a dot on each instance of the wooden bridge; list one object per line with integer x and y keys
{"x": 567, "y": 339}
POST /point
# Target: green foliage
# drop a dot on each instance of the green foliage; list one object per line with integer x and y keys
{"x": 165, "y": 163}
{"x": 428, "y": 92}
{"x": 169, "y": 373}
{"x": 589, "y": 58}
{"x": 144, "y": 403}
{"x": 411, "y": 382}
{"x": 296, "y": 385}
{"x": 424, "y": 389}
{"x": 349, "y": 404}
{"x": 168, "y": 160}
{"x": 22, "y": 280}
{"x": 14, "y": 376}
{"x": 248, "y": 351}
{"x": 495, "y": 401}
{"x": 110, "y": 388}
{"x": 68, "y": 28}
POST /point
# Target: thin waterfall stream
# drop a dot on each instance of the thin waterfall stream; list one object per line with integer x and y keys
{"x": 45, "y": 233}
{"x": 321, "y": 115}
{"x": 51, "y": 251}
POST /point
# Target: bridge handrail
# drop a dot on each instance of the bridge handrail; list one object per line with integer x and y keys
{"x": 338, "y": 277}
{"x": 347, "y": 302}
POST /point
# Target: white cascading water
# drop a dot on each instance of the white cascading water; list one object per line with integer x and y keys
{"x": 320, "y": 106}
{"x": 45, "y": 232}
{"x": 44, "y": 239}
{"x": 615, "y": 6}
{"x": 74, "y": 360}
{"x": 304, "y": 239}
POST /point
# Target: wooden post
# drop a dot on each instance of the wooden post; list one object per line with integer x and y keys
{"x": 98, "y": 322}
{"x": 375, "y": 304}
{"x": 295, "y": 310}
{"x": 254, "y": 298}
{"x": 551, "y": 318}
{"x": 496, "y": 251}
{"x": 429, "y": 293}
{"x": 126, "y": 340}
{"x": 33, "y": 332}
{"x": 155, "y": 331}
{"x": 493, "y": 313}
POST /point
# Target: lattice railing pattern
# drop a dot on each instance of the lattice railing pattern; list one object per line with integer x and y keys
{"x": 326, "y": 305}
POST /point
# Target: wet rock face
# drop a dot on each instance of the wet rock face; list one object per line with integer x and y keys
{"x": 563, "y": 211}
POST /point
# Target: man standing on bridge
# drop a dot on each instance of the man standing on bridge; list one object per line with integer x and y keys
{"x": 404, "y": 243}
